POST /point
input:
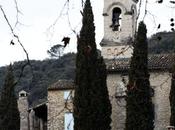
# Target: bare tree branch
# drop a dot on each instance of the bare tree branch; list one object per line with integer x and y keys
{"x": 146, "y": 3}
{"x": 59, "y": 16}
{"x": 73, "y": 30}
{"x": 19, "y": 41}
{"x": 17, "y": 13}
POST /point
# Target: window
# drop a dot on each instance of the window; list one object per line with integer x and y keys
{"x": 68, "y": 121}
{"x": 116, "y": 13}
{"x": 22, "y": 95}
{"x": 67, "y": 95}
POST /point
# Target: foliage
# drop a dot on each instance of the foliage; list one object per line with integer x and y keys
{"x": 172, "y": 98}
{"x": 45, "y": 73}
{"x": 92, "y": 107}
{"x": 162, "y": 42}
{"x": 56, "y": 51}
{"x": 139, "y": 108}
{"x": 9, "y": 113}
{"x": 48, "y": 71}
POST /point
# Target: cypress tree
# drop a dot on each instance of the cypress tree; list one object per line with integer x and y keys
{"x": 92, "y": 108}
{"x": 172, "y": 98}
{"x": 9, "y": 114}
{"x": 139, "y": 108}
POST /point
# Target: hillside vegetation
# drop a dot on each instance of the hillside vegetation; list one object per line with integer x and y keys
{"x": 162, "y": 42}
{"x": 45, "y": 73}
{"x": 49, "y": 71}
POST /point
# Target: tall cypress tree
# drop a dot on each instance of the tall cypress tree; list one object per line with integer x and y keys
{"x": 172, "y": 98}
{"x": 92, "y": 108}
{"x": 139, "y": 108}
{"x": 9, "y": 114}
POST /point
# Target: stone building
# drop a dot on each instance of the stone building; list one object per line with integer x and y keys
{"x": 60, "y": 94}
{"x": 60, "y": 105}
{"x": 23, "y": 107}
{"x": 119, "y": 30}
{"x": 53, "y": 114}
{"x": 160, "y": 80}
{"x": 32, "y": 117}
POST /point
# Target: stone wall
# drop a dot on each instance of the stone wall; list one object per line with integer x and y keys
{"x": 118, "y": 110}
{"x": 28, "y": 117}
{"x": 111, "y": 52}
{"x": 127, "y": 20}
{"x": 56, "y": 109}
{"x": 115, "y": 42}
{"x": 160, "y": 81}
{"x": 23, "y": 109}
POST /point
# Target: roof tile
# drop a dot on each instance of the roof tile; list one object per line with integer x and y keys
{"x": 155, "y": 62}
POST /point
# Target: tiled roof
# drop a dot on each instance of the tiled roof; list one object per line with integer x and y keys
{"x": 155, "y": 62}
{"x": 62, "y": 85}
{"x": 38, "y": 103}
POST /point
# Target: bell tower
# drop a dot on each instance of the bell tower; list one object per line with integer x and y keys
{"x": 119, "y": 28}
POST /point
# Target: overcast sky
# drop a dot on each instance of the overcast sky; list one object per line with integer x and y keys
{"x": 38, "y": 15}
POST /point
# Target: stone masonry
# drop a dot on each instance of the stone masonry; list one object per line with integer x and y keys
{"x": 117, "y": 50}
{"x": 160, "y": 82}
{"x": 23, "y": 107}
{"x": 57, "y": 105}
{"x": 31, "y": 118}
{"x": 115, "y": 42}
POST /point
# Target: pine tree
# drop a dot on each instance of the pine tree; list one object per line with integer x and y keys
{"x": 172, "y": 98}
{"x": 92, "y": 108}
{"x": 9, "y": 114}
{"x": 139, "y": 108}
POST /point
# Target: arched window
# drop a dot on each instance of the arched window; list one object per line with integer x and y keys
{"x": 116, "y": 19}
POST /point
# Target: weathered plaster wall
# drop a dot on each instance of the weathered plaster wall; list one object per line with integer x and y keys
{"x": 111, "y": 52}
{"x": 127, "y": 20}
{"x": 117, "y": 41}
{"x": 160, "y": 81}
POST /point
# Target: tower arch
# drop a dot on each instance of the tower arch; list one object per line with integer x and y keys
{"x": 116, "y": 19}
{"x": 119, "y": 26}
{"x": 114, "y": 5}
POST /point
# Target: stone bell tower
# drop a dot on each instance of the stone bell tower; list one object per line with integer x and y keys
{"x": 119, "y": 28}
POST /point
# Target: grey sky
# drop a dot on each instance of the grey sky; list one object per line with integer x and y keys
{"x": 38, "y": 15}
